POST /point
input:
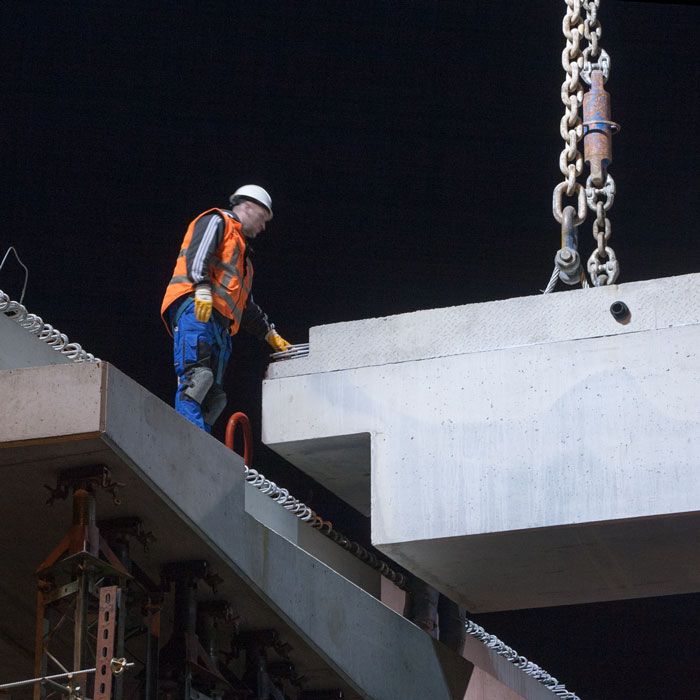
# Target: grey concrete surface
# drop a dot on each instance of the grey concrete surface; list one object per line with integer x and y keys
{"x": 18, "y": 348}
{"x": 188, "y": 489}
{"x": 79, "y": 411}
{"x": 494, "y": 325}
{"x": 340, "y": 463}
{"x": 528, "y": 452}
{"x": 284, "y": 523}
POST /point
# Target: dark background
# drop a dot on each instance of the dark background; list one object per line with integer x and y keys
{"x": 410, "y": 149}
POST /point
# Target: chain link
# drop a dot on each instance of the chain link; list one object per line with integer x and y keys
{"x": 558, "y": 205}
{"x": 591, "y": 25}
{"x": 594, "y": 57}
{"x": 607, "y": 191}
{"x": 579, "y": 64}
{"x": 571, "y": 126}
{"x": 602, "y": 64}
{"x": 603, "y": 266}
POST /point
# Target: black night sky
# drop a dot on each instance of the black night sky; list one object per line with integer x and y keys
{"x": 410, "y": 149}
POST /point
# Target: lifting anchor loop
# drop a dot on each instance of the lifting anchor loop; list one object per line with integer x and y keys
{"x": 241, "y": 419}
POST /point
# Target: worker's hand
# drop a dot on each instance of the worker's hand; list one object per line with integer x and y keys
{"x": 202, "y": 302}
{"x": 276, "y": 341}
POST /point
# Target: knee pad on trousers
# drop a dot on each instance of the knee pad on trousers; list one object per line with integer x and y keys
{"x": 198, "y": 381}
{"x": 214, "y": 404}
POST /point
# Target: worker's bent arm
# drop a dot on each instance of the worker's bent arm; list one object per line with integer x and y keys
{"x": 206, "y": 238}
{"x": 254, "y": 320}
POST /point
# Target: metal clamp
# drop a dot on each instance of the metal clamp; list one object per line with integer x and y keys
{"x": 599, "y": 124}
{"x": 119, "y": 665}
{"x": 568, "y": 263}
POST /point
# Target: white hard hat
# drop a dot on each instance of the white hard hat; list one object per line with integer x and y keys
{"x": 257, "y": 194}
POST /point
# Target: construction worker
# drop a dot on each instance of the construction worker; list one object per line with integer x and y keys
{"x": 208, "y": 299}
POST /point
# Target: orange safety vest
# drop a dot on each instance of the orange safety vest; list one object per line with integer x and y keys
{"x": 230, "y": 272}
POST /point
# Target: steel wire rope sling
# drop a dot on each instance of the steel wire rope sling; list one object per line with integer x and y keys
{"x": 592, "y": 65}
{"x": 117, "y": 666}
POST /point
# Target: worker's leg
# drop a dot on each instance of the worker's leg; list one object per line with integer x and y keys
{"x": 192, "y": 355}
{"x": 452, "y": 619}
{"x": 213, "y": 405}
{"x": 215, "y": 401}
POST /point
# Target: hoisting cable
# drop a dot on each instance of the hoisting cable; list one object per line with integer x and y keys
{"x": 12, "y": 249}
{"x": 117, "y": 665}
{"x": 592, "y": 65}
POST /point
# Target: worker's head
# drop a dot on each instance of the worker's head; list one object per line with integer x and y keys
{"x": 253, "y": 206}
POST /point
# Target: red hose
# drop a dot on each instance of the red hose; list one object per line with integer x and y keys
{"x": 241, "y": 419}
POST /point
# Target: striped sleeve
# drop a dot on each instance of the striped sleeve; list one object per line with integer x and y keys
{"x": 206, "y": 237}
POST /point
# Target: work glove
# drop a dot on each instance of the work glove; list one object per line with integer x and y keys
{"x": 202, "y": 302}
{"x": 276, "y": 341}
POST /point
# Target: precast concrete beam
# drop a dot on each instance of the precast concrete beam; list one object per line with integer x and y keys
{"x": 526, "y": 452}
{"x": 19, "y": 348}
{"x": 188, "y": 489}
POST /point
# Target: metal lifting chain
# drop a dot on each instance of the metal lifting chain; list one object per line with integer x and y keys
{"x": 592, "y": 66}
{"x": 598, "y": 129}
{"x": 571, "y": 127}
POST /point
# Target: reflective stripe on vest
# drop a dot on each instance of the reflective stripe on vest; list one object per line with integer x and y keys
{"x": 231, "y": 274}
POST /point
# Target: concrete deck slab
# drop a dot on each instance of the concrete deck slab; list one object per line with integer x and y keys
{"x": 188, "y": 489}
{"x": 527, "y": 452}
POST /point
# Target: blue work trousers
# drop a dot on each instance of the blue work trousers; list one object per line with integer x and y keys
{"x": 201, "y": 352}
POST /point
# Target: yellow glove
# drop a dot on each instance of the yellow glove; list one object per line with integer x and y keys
{"x": 276, "y": 341}
{"x": 202, "y": 303}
